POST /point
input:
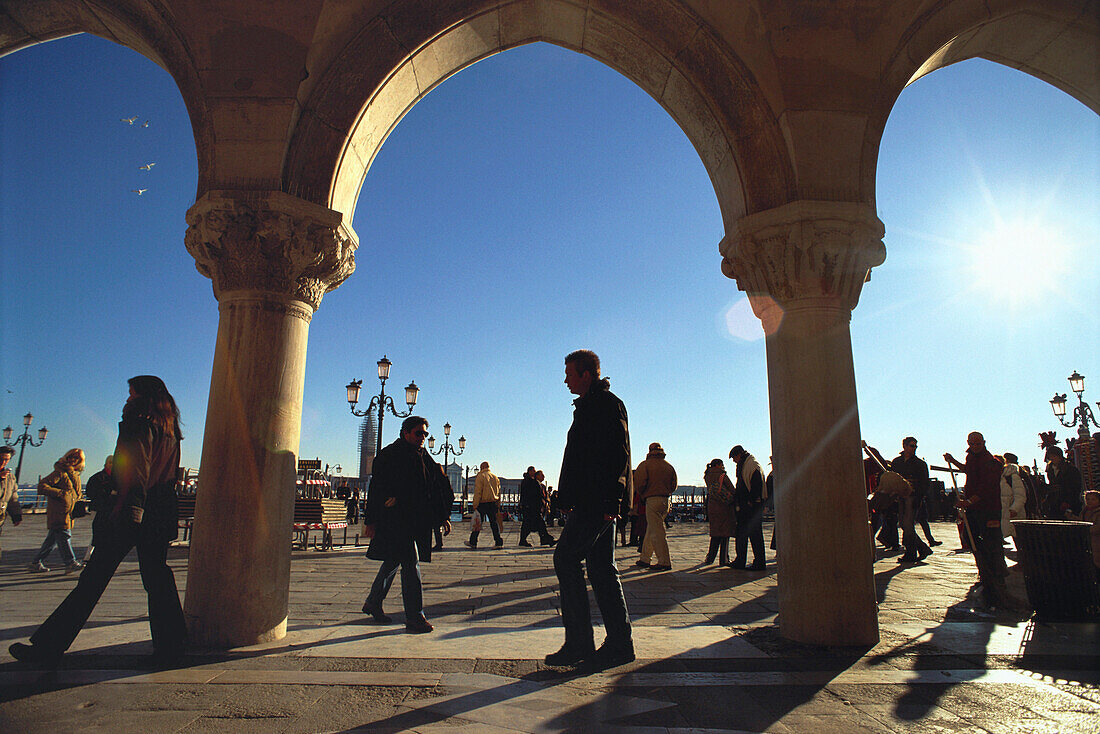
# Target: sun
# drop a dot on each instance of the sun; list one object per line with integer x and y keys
{"x": 1020, "y": 262}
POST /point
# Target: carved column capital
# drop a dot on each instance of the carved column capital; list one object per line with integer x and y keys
{"x": 259, "y": 244}
{"x": 804, "y": 252}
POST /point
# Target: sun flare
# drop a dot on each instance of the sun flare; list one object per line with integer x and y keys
{"x": 1020, "y": 263}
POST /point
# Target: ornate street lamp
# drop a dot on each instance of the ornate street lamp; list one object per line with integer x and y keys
{"x": 381, "y": 400}
{"x": 447, "y": 449}
{"x": 1082, "y": 414}
{"x": 23, "y": 440}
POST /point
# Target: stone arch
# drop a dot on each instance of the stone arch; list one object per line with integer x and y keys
{"x": 1057, "y": 41}
{"x": 394, "y": 61}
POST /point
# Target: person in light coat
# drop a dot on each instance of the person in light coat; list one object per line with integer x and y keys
{"x": 62, "y": 490}
{"x": 486, "y": 502}
{"x": 1013, "y": 495}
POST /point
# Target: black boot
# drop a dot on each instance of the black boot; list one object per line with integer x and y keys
{"x": 712, "y": 551}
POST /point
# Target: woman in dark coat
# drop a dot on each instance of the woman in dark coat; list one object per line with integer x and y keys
{"x": 142, "y": 514}
{"x": 720, "y": 515}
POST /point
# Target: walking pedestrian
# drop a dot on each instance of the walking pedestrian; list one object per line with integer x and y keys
{"x": 62, "y": 490}
{"x": 750, "y": 495}
{"x": 982, "y": 506}
{"x": 720, "y": 516}
{"x": 409, "y": 496}
{"x": 1013, "y": 495}
{"x": 100, "y": 491}
{"x": 655, "y": 482}
{"x": 143, "y": 514}
{"x": 594, "y": 486}
{"x": 487, "y": 503}
{"x": 532, "y": 503}
{"x": 915, "y": 471}
{"x": 9, "y": 490}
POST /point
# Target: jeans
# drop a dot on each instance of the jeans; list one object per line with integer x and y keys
{"x": 62, "y": 537}
{"x": 488, "y": 511}
{"x": 655, "y": 541}
{"x": 412, "y": 592}
{"x": 590, "y": 540}
{"x": 166, "y": 622}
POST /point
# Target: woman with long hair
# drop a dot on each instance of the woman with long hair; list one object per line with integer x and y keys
{"x": 62, "y": 490}
{"x": 142, "y": 513}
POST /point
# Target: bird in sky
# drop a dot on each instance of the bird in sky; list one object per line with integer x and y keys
{"x": 145, "y": 124}
{"x": 128, "y": 120}
{"x": 139, "y": 192}
{"x": 146, "y": 167}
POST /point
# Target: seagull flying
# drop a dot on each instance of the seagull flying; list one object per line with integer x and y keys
{"x": 146, "y": 167}
{"x": 128, "y": 120}
{"x": 139, "y": 192}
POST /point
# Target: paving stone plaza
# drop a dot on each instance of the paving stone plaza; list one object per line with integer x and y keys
{"x": 709, "y": 654}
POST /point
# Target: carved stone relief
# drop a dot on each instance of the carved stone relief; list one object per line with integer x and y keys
{"x": 269, "y": 242}
{"x": 805, "y": 250}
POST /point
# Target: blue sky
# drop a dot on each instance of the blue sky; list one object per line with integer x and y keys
{"x": 532, "y": 204}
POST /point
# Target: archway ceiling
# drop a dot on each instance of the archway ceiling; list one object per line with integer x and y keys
{"x": 662, "y": 47}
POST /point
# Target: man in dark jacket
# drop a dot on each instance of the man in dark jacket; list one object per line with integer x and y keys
{"x": 749, "y": 498}
{"x": 982, "y": 504}
{"x": 409, "y": 497}
{"x": 532, "y": 504}
{"x": 915, "y": 471}
{"x": 593, "y": 487}
{"x": 1064, "y": 498}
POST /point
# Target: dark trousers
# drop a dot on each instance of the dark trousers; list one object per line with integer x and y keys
{"x": 989, "y": 554}
{"x": 887, "y": 524}
{"x": 166, "y": 623}
{"x": 719, "y": 547}
{"x": 412, "y": 590}
{"x": 534, "y": 523}
{"x": 750, "y": 528}
{"x": 488, "y": 511}
{"x": 591, "y": 541}
{"x": 914, "y": 546}
{"x": 922, "y": 516}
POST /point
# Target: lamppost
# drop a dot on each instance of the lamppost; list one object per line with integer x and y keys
{"x": 24, "y": 440}
{"x": 1081, "y": 414}
{"x": 381, "y": 400}
{"x": 446, "y": 449}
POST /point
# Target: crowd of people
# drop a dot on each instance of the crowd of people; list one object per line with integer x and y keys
{"x": 410, "y": 501}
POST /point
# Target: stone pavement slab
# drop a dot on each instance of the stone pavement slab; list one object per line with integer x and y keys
{"x": 710, "y": 656}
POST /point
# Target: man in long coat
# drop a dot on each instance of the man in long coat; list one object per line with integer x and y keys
{"x": 409, "y": 497}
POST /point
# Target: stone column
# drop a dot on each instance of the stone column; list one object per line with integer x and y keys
{"x": 803, "y": 265}
{"x": 271, "y": 258}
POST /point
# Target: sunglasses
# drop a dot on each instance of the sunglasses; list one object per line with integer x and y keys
{"x": 420, "y": 434}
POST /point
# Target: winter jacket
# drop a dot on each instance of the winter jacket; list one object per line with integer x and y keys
{"x": 1013, "y": 496}
{"x": 486, "y": 488}
{"x": 423, "y": 497}
{"x": 1065, "y": 491}
{"x": 9, "y": 499}
{"x": 145, "y": 469}
{"x": 655, "y": 477}
{"x": 720, "y": 515}
{"x": 530, "y": 496}
{"x": 62, "y": 490}
{"x": 750, "y": 485}
{"x": 983, "y": 480}
{"x": 595, "y": 468}
{"x": 915, "y": 471}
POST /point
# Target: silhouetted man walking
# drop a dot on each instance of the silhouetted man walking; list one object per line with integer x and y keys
{"x": 594, "y": 487}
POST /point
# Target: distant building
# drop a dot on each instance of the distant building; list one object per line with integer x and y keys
{"x": 368, "y": 442}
